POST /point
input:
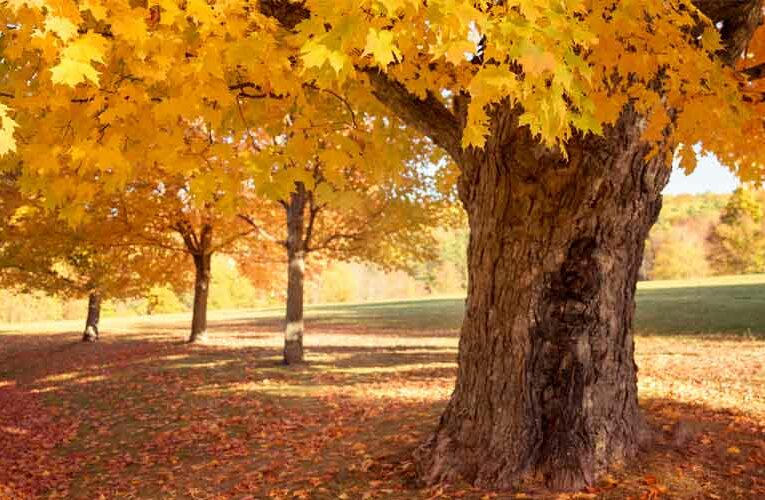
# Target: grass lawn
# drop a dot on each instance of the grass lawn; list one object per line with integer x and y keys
{"x": 142, "y": 415}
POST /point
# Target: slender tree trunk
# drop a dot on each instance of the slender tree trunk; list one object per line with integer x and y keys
{"x": 94, "y": 315}
{"x": 546, "y": 388}
{"x": 201, "y": 292}
{"x": 293, "y": 330}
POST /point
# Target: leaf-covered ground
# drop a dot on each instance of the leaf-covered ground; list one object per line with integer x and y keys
{"x": 142, "y": 415}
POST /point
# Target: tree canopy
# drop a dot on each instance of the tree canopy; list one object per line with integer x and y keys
{"x": 106, "y": 76}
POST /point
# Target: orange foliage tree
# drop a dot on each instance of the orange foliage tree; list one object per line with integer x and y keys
{"x": 352, "y": 184}
{"x": 196, "y": 212}
{"x": 96, "y": 259}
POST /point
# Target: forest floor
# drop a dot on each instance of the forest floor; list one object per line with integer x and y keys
{"x": 140, "y": 414}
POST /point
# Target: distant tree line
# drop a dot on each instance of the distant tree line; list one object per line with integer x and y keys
{"x": 235, "y": 287}
{"x": 708, "y": 234}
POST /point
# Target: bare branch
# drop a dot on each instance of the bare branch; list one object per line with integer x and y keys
{"x": 233, "y": 239}
{"x": 346, "y": 103}
{"x": 327, "y": 243}
{"x": 260, "y": 230}
{"x": 50, "y": 273}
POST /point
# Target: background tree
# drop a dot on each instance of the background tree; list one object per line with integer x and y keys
{"x": 737, "y": 242}
{"x": 680, "y": 256}
{"x": 94, "y": 259}
{"x": 195, "y": 214}
{"x": 159, "y": 120}
{"x": 352, "y": 185}
{"x": 683, "y": 217}
{"x": 378, "y": 226}
{"x": 447, "y": 273}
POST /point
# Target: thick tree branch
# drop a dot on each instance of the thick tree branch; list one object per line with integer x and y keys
{"x": 430, "y": 116}
{"x": 739, "y": 19}
{"x": 755, "y": 72}
{"x": 205, "y": 239}
{"x": 189, "y": 237}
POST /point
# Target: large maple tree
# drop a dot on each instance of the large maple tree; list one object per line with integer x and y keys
{"x": 562, "y": 115}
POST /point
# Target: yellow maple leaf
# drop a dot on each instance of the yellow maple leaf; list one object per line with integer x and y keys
{"x": 61, "y": 26}
{"x": 475, "y": 134}
{"x": 170, "y": 11}
{"x": 35, "y": 4}
{"x": 458, "y": 52}
{"x": 536, "y": 62}
{"x": 710, "y": 39}
{"x": 90, "y": 47}
{"x": 200, "y": 11}
{"x": 71, "y": 72}
{"x": 7, "y": 127}
{"x": 380, "y": 46}
{"x": 392, "y": 6}
{"x": 316, "y": 55}
{"x": 688, "y": 160}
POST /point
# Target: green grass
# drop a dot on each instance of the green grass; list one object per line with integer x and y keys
{"x": 421, "y": 314}
{"x": 729, "y": 304}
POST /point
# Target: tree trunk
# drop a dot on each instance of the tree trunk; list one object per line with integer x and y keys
{"x": 546, "y": 389}
{"x": 201, "y": 292}
{"x": 94, "y": 315}
{"x": 293, "y": 329}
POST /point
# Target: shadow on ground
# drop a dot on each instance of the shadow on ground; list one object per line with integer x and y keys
{"x": 141, "y": 414}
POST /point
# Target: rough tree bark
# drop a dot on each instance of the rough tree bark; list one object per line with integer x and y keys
{"x": 547, "y": 384}
{"x": 201, "y": 292}
{"x": 546, "y": 387}
{"x": 94, "y": 315}
{"x": 293, "y": 329}
{"x": 199, "y": 246}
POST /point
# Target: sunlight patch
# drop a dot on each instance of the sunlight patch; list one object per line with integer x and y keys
{"x": 210, "y": 364}
{"x": 391, "y": 369}
{"x": 61, "y": 377}
{"x": 18, "y": 431}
